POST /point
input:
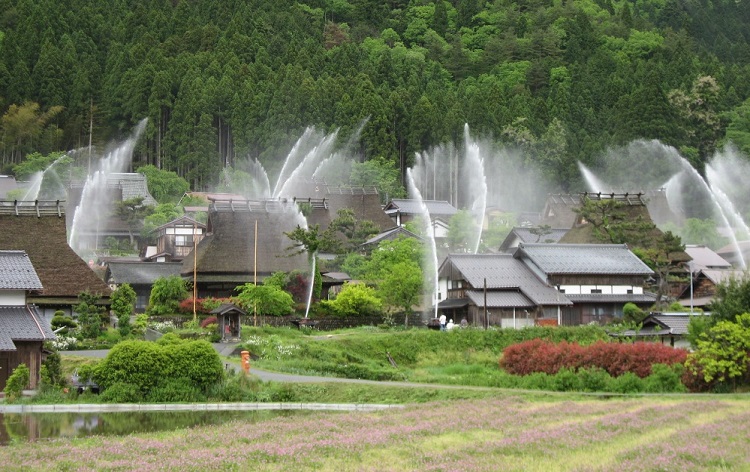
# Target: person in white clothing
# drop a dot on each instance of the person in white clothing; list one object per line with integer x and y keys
{"x": 449, "y": 326}
{"x": 442, "y": 322}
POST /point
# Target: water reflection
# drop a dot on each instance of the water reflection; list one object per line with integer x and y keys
{"x": 35, "y": 426}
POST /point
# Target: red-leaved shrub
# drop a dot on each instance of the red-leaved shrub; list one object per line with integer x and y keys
{"x": 210, "y": 320}
{"x": 538, "y": 355}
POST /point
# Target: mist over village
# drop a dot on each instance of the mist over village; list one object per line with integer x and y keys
{"x": 427, "y": 235}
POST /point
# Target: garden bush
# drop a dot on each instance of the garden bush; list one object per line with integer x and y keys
{"x": 17, "y": 381}
{"x": 140, "y": 363}
{"x": 196, "y": 361}
{"x": 210, "y": 320}
{"x": 121, "y": 392}
{"x": 147, "y": 365}
{"x": 539, "y": 355}
{"x": 179, "y": 390}
{"x": 63, "y": 321}
{"x": 665, "y": 379}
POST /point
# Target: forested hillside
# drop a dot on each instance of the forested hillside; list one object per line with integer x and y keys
{"x": 226, "y": 80}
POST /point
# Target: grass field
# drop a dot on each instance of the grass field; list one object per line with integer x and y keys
{"x": 501, "y": 433}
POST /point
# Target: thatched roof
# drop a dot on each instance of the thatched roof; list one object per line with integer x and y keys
{"x": 44, "y": 238}
{"x": 228, "y": 251}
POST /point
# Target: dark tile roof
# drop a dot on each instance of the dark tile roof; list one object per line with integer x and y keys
{"x": 524, "y": 235}
{"x": 611, "y": 259}
{"x": 412, "y": 207}
{"x": 612, "y": 298}
{"x": 450, "y": 303}
{"x": 500, "y": 299}
{"x": 21, "y": 323}
{"x": 227, "y": 308}
{"x": 664, "y": 324}
{"x": 61, "y": 271}
{"x": 390, "y": 235}
{"x": 17, "y": 272}
{"x": 141, "y": 273}
{"x": 502, "y": 271}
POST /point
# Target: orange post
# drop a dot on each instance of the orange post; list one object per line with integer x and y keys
{"x": 245, "y": 361}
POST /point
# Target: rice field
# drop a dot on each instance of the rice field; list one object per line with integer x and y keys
{"x": 504, "y": 433}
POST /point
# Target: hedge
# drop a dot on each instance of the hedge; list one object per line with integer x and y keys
{"x": 538, "y": 355}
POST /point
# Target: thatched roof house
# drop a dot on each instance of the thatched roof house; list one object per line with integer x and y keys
{"x": 39, "y": 229}
{"x": 230, "y": 255}
{"x": 364, "y": 201}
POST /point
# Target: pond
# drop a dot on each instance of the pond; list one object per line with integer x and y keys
{"x": 16, "y": 427}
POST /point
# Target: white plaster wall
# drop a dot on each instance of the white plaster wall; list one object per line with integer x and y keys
{"x": 13, "y": 297}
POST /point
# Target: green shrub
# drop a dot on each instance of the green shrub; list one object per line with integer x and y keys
{"x": 196, "y": 361}
{"x": 236, "y": 387}
{"x": 51, "y": 372}
{"x": 566, "y": 380}
{"x": 121, "y": 392}
{"x": 175, "y": 390}
{"x": 170, "y": 339}
{"x": 63, "y": 321}
{"x": 17, "y": 381}
{"x": 626, "y": 383}
{"x": 594, "y": 379}
{"x": 139, "y": 363}
{"x": 665, "y": 379}
{"x": 536, "y": 381}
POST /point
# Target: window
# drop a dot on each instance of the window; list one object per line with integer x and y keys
{"x": 596, "y": 290}
{"x": 183, "y": 240}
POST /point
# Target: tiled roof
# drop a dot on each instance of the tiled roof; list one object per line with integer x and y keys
{"x": 612, "y": 298}
{"x": 677, "y": 323}
{"x": 141, "y": 273}
{"x": 662, "y": 324}
{"x": 525, "y": 235}
{"x": 583, "y": 259}
{"x": 412, "y": 207}
{"x": 720, "y": 276}
{"x": 133, "y": 185}
{"x": 17, "y": 272}
{"x": 500, "y": 299}
{"x": 390, "y": 234}
{"x": 704, "y": 257}
{"x": 502, "y": 271}
{"x": 21, "y": 323}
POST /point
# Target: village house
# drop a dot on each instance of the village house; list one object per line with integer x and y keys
{"x": 39, "y": 229}
{"x": 665, "y": 328}
{"x": 22, "y": 328}
{"x": 140, "y": 276}
{"x": 598, "y": 278}
{"x": 514, "y": 296}
{"x": 231, "y": 254}
{"x": 174, "y": 240}
{"x": 557, "y": 284}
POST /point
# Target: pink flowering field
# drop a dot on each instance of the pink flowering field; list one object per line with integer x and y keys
{"x": 508, "y": 433}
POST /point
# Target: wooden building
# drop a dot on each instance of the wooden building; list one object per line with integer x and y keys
{"x": 22, "y": 329}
